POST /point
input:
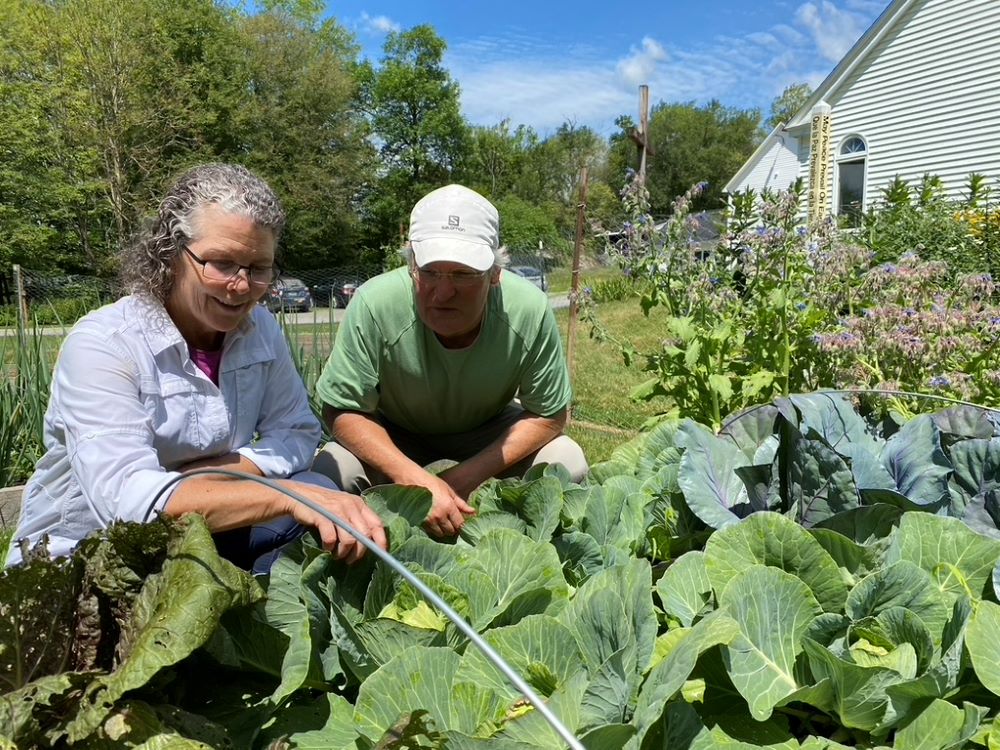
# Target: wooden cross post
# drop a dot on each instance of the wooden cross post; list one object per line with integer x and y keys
{"x": 641, "y": 134}
{"x": 574, "y": 291}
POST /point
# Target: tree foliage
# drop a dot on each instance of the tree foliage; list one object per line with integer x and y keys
{"x": 413, "y": 104}
{"x": 497, "y": 157}
{"x": 691, "y": 144}
{"x": 787, "y": 104}
{"x": 527, "y": 228}
{"x": 303, "y": 132}
{"x": 103, "y": 103}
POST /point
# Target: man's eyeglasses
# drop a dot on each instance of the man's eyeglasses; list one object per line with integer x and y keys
{"x": 224, "y": 270}
{"x": 457, "y": 278}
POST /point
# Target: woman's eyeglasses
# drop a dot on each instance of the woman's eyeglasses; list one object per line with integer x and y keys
{"x": 457, "y": 278}
{"x": 225, "y": 270}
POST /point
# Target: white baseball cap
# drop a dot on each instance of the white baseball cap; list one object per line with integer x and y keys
{"x": 454, "y": 224}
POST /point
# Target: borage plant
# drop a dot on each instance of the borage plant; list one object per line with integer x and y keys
{"x": 740, "y": 317}
{"x": 917, "y": 330}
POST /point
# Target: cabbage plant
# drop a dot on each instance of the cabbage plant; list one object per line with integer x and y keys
{"x": 803, "y": 578}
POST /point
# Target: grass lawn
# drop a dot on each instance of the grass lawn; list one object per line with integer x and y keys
{"x": 603, "y": 414}
{"x": 560, "y": 279}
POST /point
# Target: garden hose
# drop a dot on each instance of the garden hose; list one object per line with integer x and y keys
{"x": 488, "y": 651}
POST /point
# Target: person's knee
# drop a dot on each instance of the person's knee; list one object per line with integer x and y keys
{"x": 342, "y": 466}
{"x": 320, "y": 479}
{"x": 564, "y": 450}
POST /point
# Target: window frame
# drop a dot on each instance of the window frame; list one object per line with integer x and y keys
{"x": 851, "y": 157}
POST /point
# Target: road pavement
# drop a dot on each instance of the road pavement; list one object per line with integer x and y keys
{"x": 318, "y": 316}
{"x": 323, "y": 315}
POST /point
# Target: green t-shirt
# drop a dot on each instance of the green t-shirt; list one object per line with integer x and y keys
{"x": 386, "y": 361}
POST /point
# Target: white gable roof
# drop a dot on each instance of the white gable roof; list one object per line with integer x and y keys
{"x": 829, "y": 88}
{"x": 921, "y": 88}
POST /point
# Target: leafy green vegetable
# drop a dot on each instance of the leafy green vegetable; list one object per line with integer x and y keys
{"x": 779, "y": 585}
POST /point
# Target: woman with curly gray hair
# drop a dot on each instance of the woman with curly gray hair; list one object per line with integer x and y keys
{"x": 188, "y": 372}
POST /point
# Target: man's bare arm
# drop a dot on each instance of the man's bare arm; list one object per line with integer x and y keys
{"x": 367, "y": 439}
{"x": 526, "y": 436}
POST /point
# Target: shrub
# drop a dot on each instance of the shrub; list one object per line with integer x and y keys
{"x": 919, "y": 219}
{"x": 740, "y": 317}
{"x": 613, "y": 290}
{"x": 779, "y": 307}
{"x": 24, "y": 393}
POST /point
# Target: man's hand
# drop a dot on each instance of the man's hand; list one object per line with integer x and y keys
{"x": 448, "y": 511}
{"x": 350, "y": 508}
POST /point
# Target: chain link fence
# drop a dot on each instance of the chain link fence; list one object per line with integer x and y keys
{"x": 45, "y": 299}
{"x": 60, "y": 299}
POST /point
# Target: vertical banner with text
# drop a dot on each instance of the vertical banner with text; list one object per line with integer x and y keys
{"x": 819, "y": 163}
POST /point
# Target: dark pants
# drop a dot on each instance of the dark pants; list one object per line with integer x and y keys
{"x": 255, "y": 548}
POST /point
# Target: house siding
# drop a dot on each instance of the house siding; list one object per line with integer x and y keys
{"x": 925, "y": 97}
{"x": 777, "y": 168}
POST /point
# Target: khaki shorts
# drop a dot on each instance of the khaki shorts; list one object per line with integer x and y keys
{"x": 344, "y": 468}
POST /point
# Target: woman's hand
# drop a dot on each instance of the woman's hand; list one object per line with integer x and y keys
{"x": 349, "y": 508}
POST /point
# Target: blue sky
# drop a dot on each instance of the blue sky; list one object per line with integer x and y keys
{"x": 545, "y": 62}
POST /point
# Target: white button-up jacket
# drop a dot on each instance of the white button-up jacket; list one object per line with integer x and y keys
{"x": 128, "y": 407}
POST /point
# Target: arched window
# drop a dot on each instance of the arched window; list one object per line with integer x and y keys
{"x": 852, "y": 159}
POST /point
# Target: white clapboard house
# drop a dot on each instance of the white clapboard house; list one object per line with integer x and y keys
{"x": 919, "y": 93}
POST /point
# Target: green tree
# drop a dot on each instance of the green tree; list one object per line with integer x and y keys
{"x": 528, "y": 228}
{"x": 690, "y": 144}
{"x": 622, "y": 153}
{"x": 102, "y": 103}
{"x": 111, "y": 98}
{"x": 787, "y": 104}
{"x": 604, "y": 213}
{"x": 414, "y": 108}
{"x": 49, "y": 199}
{"x": 552, "y": 171}
{"x": 150, "y": 70}
{"x": 497, "y": 157}
{"x": 300, "y": 127}
{"x": 550, "y": 177}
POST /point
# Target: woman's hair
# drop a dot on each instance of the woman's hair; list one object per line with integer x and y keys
{"x": 147, "y": 263}
{"x": 500, "y": 256}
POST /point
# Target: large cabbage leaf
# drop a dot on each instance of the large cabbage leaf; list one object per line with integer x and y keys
{"x": 191, "y": 593}
{"x": 773, "y": 610}
{"x": 773, "y": 540}
{"x": 708, "y": 479}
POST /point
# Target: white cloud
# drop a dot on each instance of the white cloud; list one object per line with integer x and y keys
{"x": 765, "y": 39}
{"x": 542, "y": 94}
{"x": 379, "y": 24}
{"x": 641, "y": 63}
{"x": 833, "y": 30}
{"x": 788, "y": 35}
{"x": 536, "y": 80}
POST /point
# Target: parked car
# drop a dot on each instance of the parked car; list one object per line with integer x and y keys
{"x": 334, "y": 292}
{"x": 290, "y": 294}
{"x": 535, "y": 275}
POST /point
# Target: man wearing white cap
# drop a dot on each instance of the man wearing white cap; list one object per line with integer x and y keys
{"x": 447, "y": 358}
